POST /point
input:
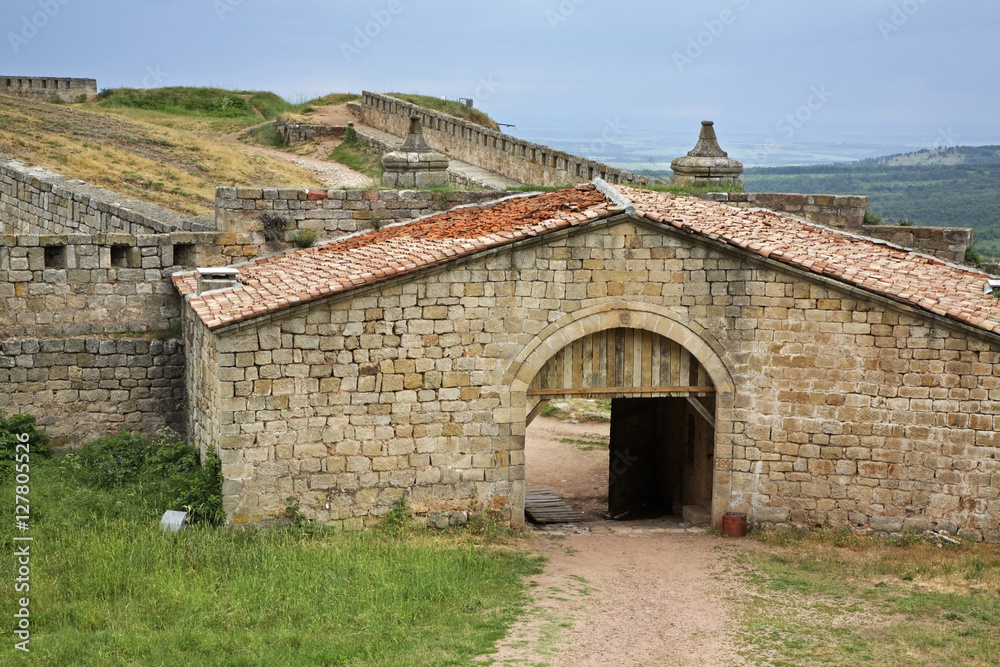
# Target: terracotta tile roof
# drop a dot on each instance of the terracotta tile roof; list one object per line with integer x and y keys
{"x": 904, "y": 276}
{"x": 281, "y": 281}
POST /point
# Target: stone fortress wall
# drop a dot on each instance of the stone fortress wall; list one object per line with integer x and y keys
{"x": 532, "y": 163}
{"x": 38, "y": 201}
{"x": 89, "y": 320}
{"x": 48, "y": 88}
{"x": 500, "y": 153}
{"x": 333, "y": 212}
{"x": 294, "y": 133}
{"x": 84, "y": 263}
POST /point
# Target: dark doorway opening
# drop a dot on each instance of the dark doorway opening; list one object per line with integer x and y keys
{"x": 661, "y": 456}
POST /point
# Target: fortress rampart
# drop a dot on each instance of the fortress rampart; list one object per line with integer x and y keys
{"x": 89, "y": 320}
{"x": 500, "y": 153}
{"x": 48, "y": 88}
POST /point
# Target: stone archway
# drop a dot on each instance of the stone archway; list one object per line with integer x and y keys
{"x": 704, "y": 350}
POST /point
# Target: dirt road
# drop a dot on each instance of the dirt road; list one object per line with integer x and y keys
{"x": 330, "y": 174}
{"x": 646, "y": 592}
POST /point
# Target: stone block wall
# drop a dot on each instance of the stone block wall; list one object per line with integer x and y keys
{"x": 847, "y": 212}
{"x": 84, "y": 388}
{"x": 76, "y": 284}
{"x": 295, "y": 133}
{"x": 839, "y": 211}
{"x": 47, "y": 88}
{"x": 846, "y": 409}
{"x": 946, "y": 243}
{"x": 36, "y": 201}
{"x": 503, "y": 154}
{"x": 201, "y": 378}
{"x": 331, "y": 213}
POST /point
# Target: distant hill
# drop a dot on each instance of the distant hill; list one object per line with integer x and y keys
{"x": 950, "y": 187}
{"x": 939, "y": 156}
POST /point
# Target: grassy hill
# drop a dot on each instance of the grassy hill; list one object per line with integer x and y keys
{"x": 160, "y": 148}
{"x": 953, "y": 187}
{"x": 456, "y": 109}
{"x": 930, "y": 157}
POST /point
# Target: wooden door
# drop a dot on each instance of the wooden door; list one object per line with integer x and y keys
{"x": 632, "y": 469}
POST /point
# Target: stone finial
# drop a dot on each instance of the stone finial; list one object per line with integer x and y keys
{"x": 708, "y": 143}
{"x": 415, "y": 164}
{"x": 414, "y": 142}
{"x": 707, "y": 164}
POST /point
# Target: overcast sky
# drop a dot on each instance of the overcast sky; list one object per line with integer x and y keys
{"x": 771, "y": 73}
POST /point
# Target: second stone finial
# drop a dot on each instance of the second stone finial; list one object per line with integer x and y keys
{"x": 707, "y": 164}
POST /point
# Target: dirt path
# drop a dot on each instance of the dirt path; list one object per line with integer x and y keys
{"x": 330, "y": 174}
{"x": 334, "y": 115}
{"x": 647, "y": 592}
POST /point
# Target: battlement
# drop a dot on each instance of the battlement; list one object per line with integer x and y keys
{"x": 48, "y": 88}
{"x": 514, "y": 158}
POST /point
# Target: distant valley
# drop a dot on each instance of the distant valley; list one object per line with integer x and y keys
{"x": 957, "y": 186}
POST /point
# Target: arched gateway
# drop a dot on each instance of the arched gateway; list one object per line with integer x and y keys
{"x": 672, "y": 400}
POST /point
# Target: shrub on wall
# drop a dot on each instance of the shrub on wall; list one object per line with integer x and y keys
{"x": 304, "y": 238}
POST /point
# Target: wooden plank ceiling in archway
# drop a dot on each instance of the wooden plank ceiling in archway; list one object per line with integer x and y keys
{"x": 621, "y": 362}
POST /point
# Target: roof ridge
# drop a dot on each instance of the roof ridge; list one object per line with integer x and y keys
{"x": 614, "y": 195}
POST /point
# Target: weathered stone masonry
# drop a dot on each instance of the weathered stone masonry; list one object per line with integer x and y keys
{"x": 515, "y": 158}
{"x": 847, "y": 212}
{"x": 36, "y": 201}
{"x": 48, "y": 88}
{"x": 842, "y": 407}
{"x": 83, "y": 262}
{"x": 84, "y": 388}
{"x": 332, "y": 213}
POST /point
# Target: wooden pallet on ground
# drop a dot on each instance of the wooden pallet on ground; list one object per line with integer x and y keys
{"x": 543, "y": 506}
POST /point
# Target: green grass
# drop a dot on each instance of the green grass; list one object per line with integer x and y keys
{"x": 579, "y": 409}
{"x": 265, "y": 134}
{"x": 226, "y": 110}
{"x": 352, "y": 153}
{"x": 589, "y": 442}
{"x": 108, "y": 588}
{"x": 456, "y": 109}
{"x": 183, "y": 101}
{"x": 837, "y": 599}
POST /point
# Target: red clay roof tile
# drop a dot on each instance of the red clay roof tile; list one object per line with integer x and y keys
{"x": 273, "y": 283}
{"x": 898, "y": 274}
{"x": 280, "y": 281}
